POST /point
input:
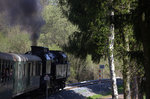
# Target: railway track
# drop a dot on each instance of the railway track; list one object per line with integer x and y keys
{"x": 85, "y": 83}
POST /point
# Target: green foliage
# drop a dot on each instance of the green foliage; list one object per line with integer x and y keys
{"x": 3, "y": 43}
{"x": 57, "y": 27}
{"x": 90, "y": 16}
{"x": 15, "y": 40}
{"x": 120, "y": 89}
{"x": 82, "y": 70}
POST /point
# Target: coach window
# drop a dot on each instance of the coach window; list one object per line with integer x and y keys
{"x": 8, "y": 70}
{"x": 24, "y": 69}
{"x": 0, "y": 66}
{"x": 39, "y": 68}
{"x": 64, "y": 67}
{"x": 7, "y": 64}
{"x": 68, "y": 69}
{"x": 59, "y": 70}
{"x": 48, "y": 66}
{"x": 64, "y": 70}
{"x": 0, "y": 70}
{"x": 3, "y": 73}
{"x": 28, "y": 73}
{"x": 34, "y": 68}
{"x": 31, "y": 69}
{"x": 11, "y": 69}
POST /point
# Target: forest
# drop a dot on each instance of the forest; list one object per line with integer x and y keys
{"x": 92, "y": 32}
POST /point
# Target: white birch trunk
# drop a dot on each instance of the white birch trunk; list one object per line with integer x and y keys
{"x": 111, "y": 58}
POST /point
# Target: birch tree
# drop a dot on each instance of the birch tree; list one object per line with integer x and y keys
{"x": 111, "y": 57}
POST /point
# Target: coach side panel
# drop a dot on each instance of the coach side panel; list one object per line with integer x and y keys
{"x": 27, "y": 77}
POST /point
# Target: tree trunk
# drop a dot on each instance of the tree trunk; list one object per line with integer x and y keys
{"x": 126, "y": 79}
{"x": 140, "y": 87}
{"x": 147, "y": 65}
{"x": 145, "y": 33}
{"x": 111, "y": 65}
{"x": 146, "y": 45}
{"x": 111, "y": 59}
{"x": 134, "y": 88}
{"x": 126, "y": 69}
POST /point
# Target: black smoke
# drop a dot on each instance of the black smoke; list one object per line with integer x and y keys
{"x": 26, "y": 13}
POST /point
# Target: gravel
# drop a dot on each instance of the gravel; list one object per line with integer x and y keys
{"x": 83, "y": 92}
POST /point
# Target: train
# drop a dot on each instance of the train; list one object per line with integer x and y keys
{"x": 36, "y": 70}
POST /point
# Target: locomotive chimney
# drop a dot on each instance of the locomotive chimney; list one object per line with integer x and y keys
{"x": 37, "y": 50}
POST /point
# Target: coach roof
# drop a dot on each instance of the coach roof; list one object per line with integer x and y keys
{"x": 18, "y": 57}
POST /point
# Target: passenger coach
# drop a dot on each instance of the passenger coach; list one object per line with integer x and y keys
{"x": 18, "y": 74}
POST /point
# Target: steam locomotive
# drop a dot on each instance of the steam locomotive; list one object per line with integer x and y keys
{"x": 37, "y": 69}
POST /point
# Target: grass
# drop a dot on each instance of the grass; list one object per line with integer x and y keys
{"x": 144, "y": 97}
{"x": 97, "y": 96}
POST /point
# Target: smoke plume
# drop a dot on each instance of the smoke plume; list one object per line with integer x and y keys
{"x": 26, "y": 13}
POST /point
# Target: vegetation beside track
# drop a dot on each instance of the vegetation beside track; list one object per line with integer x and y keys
{"x": 99, "y": 96}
